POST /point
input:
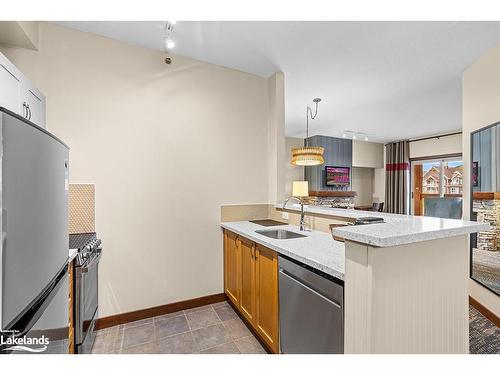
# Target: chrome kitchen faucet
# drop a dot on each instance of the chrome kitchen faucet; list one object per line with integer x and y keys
{"x": 302, "y": 224}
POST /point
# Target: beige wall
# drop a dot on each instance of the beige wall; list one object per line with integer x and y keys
{"x": 362, "y": 180}
{"x": 370, "y": 156}
{"x": 367, "y": 154}
{"x": 166, "y": 146}
{"x": 436, "y": 146}
{"x": 292, "y": 172}
{"x": 23, "y": 34}
{"x": 379, "y": 185}
{"x": 481, "y": 107}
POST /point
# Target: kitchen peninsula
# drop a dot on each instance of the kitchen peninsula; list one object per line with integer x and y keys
{"x": 404, "y": 280}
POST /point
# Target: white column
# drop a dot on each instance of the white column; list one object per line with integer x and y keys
{"x": 276, "y": 137}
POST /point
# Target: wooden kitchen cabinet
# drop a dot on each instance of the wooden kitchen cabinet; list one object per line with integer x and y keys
{"x": 247, "y": 277}
{"x": 231, "y": 267}
{"x": 251, "y": 284}
{"x": 266, "y": 286}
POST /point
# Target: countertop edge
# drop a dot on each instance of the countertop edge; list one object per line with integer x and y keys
{"x": 409, "y": 238}
{"x": 331, "y": 271}
{"x": 396, "y": 240}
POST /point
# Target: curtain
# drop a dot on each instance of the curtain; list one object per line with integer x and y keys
{"x": 397, "y": 177}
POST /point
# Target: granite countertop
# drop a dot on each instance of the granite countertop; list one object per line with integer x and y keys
{"x": 397, "y": 229}
{"x": 318, "y": 250}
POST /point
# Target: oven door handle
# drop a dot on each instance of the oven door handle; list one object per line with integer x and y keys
{"x": 91, "y": 264}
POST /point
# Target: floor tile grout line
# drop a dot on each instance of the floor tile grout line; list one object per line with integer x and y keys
{"x": 154, "y": 331}
{"x": 157, "y": 338}
{"x": 121, "y": 343}
{"x": 196, "y": 309}
{"x": 224, "y": 343}
{"x": 187, "y": 320}
{"x": 142, "y": 343}
{"x": 210, "y": 325}
{"x": 174, "y": 334}
{"x": 180, "y": 313}
{"x": 146, "y": 342}
{"x": 227, "y": 342}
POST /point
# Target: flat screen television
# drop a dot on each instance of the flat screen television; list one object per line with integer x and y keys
{"x": 337, "y": 176}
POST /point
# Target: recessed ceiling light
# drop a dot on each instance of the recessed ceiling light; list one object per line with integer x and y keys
{"x": 169, "y": 43}
{"x": 354, "y": 136}
{"x": 366, "y": 138}
{"x": 343, "y": 135}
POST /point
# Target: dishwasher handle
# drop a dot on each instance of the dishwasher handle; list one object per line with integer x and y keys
{"x": 319, "y": 294}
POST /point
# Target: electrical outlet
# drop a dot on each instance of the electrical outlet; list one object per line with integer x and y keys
{"x": 284, "y": 215}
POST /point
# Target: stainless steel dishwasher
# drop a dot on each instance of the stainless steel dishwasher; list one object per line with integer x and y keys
{"x": 311, "y": 310}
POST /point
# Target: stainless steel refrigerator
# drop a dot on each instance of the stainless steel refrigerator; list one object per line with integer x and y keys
{"x": 34, "y": 245}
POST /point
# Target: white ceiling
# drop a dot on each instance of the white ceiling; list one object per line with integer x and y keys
{"x": 393, "y": 80}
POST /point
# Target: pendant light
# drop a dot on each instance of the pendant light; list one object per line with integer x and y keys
{"x": 308, "y": 155}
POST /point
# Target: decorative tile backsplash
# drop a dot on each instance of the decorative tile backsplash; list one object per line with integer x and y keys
{"x": 81, "y": 208}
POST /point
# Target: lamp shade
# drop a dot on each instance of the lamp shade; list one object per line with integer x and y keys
{"x": 300, "y": 189}
{"x": 307, "y": 156}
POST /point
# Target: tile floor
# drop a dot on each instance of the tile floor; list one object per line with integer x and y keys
{"x": 208, "y": 329}
{"x": 218, "y": 329}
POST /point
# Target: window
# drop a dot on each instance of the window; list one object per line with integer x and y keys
{"x": 435, "y": 179}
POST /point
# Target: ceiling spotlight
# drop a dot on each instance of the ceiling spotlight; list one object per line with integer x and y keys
{"x": 169, "y": 43}
{"x": 366, "y": 138}
{"x": 354, "y": 136}
{"x": 169, "y": 26}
